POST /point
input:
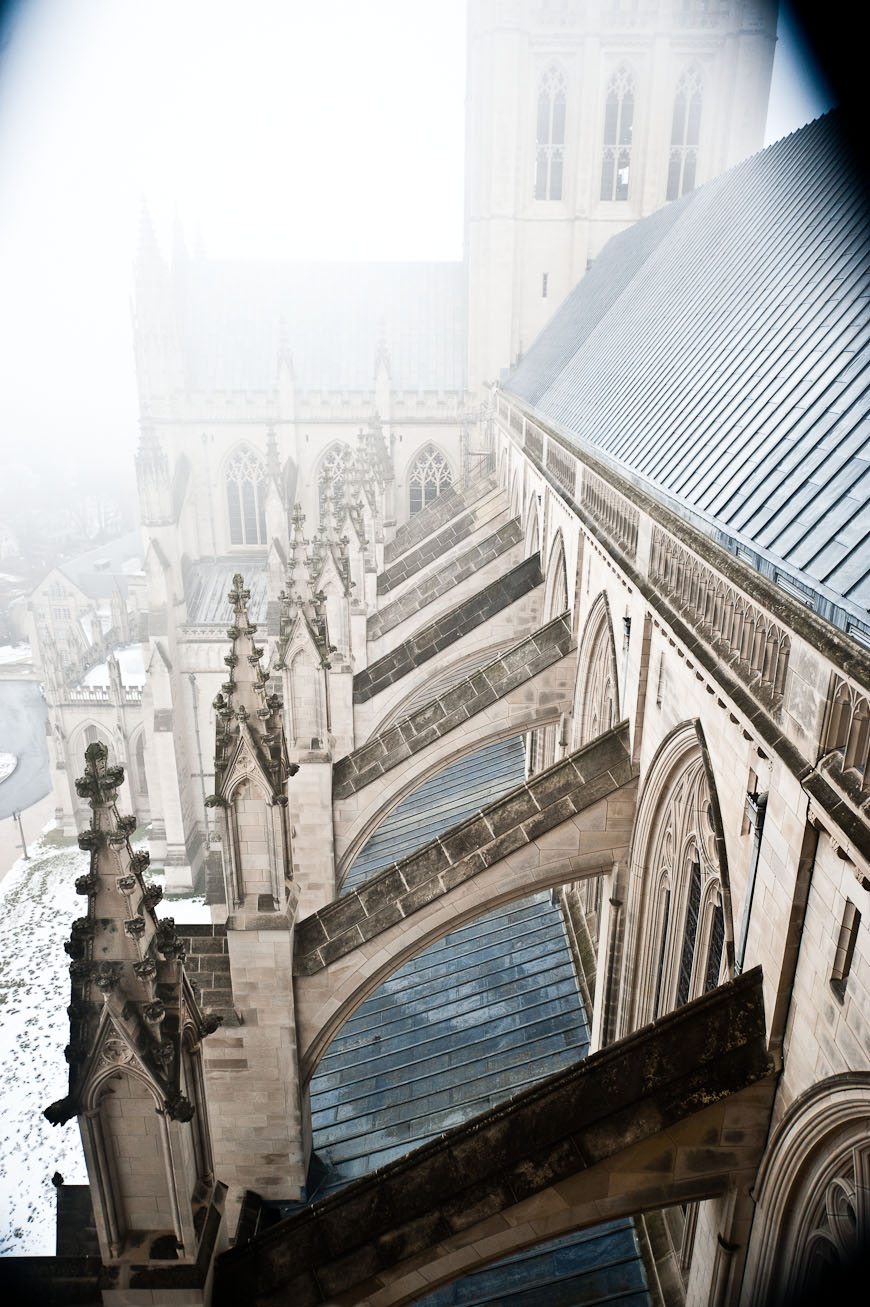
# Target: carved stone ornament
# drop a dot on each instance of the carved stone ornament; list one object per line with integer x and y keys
{"x": 115, "y": 1051}
{"x": 154, "y": 1011}
{"x": 126, "y": 884}
{"x": 180, "y": 1108}
{"x": 145, "y": 969}
{"x": 135, "y": 927}
{"x": 108, "y": 975}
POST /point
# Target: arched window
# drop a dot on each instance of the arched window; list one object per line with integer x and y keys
{"x": 618, "y": 125}
{"x": 430, "y": 474}
{"x": 139, "y": 754}
{"x": 685, "y": 135}
{"x": 550, "y": 136}
{"x": 690, "y": 931}
{"x": 246, "y": 495}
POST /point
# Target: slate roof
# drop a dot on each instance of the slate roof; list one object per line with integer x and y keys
{"x": 208, "y": 582}
{"x": 100, "y": 571}
{"x": 331, "y": 317}
{"x": 718, "y": 352}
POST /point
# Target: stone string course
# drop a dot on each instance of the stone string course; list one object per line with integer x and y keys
{"x": 439, "y": 583}
{"x": 448, "y": 504}
{"x": 518, "y": 664}
{"x": 471, "y": 613}
{"x": 688, "y": 1091}
{"x": 545, "y": 801}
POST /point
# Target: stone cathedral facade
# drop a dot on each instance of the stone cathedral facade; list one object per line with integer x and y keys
{"x": 638, "y": 556}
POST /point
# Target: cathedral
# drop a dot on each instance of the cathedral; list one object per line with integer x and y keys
{"x": 506, "y": 691}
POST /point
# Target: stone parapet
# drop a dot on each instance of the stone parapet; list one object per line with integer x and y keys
{"x": 448, "y": 576}
{"x": 518, "y": 664}
{"x": 471, "y": 613}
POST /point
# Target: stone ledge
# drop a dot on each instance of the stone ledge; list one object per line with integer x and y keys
{"x": 458, "y": 621}
{"x": 519, "y": 664}
{"x": 590, "y": 774}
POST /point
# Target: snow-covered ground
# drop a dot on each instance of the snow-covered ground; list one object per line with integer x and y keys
{"x": 38, "y": 904}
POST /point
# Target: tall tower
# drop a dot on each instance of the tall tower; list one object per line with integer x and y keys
{"x": 581, "y": 117}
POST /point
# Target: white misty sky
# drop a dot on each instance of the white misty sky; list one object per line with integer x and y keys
{"x": 328, "y": 129}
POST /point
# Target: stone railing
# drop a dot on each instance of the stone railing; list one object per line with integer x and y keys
{"x": 562, "y": 466}
{"x": 102, "y": 694}
{"x": 757, "y": 646}
{"x": 611, "y": 510}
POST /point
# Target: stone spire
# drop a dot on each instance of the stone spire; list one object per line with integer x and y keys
{"x": 152, "y": 479}
{"x": 129, "y": 991}
{"x": 301, "y": 600}
{"x": 248, "y": 716}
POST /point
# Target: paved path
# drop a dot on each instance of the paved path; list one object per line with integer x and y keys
{"x": 33, "y": 819}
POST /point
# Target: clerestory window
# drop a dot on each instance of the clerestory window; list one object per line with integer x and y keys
{"x": 618, "y": 128}
{"x": 685, "y": 135}
{"x": 430, "y": 474}
{"x": 550, "y": 136}
{"x": 246, "y": 493}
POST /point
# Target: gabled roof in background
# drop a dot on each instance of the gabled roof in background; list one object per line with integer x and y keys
{"x": 332, "y": 319}
{"x": 718, "y": 351}
{"x": 100, "y": 571}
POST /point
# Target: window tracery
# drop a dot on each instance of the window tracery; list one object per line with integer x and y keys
{"x": 429, "y": 476}
{"x": 245, "y": 480}
{"x": 334, "y": 468}
{"x": 618, "y": 129}
{"x": 550, "y": 136}
{"x": 685, "y": 135}
{"x": 683, "y": 935}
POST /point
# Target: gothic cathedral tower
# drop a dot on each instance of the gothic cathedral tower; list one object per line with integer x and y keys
{"x": 581, "y": 117}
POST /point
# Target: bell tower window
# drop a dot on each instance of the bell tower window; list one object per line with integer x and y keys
{"x": 550, "y": 136}
{"x": 685, "y": 135}
{"x": 618, "y": 127}
{"x": 246, "y": 493}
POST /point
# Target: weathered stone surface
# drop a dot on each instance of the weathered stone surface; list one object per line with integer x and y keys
{"x": 448, "y": 504}
{"x": 465, "y": 617}
{"x": 531, "y": 810}
{"x": 435, "y": 719}
{"x": 582, "y": 1131}
{"x": 454, "y": 571}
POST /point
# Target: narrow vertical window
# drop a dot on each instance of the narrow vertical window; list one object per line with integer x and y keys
{"x": 685, "y": 135}
{"x": 666, "y": 912}
{"x": 845, "y": 950}
{"x": 430, "y": 474}
{"x": 550, "y": 136}
{"x": 545, "y": 278}
{"x": 714, "y": 954}
{"x": 246, "y": 487}
{"x": 618, "y": 128}
{"x": 690, "y": 935}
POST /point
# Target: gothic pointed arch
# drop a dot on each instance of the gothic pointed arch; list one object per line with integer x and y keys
{"x": 685, "y": 133}
{"x": 429, "y": 475}
{"x": 596, "y": 697}
{"x": 550, "y": 121}
{"x": 813, "y": 1193}
{"x": 517, "y": 493}
{"x": 618, "y": 134}
{"x": 556, "y": 586}
{"x": 678, "y": 930}
{"x": 532, "y": 530}
{"x": 245, "y": 483}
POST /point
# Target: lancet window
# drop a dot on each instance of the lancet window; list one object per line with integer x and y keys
{"x": 246, "y": 497}
{"x": 550, "y": 136}
{"x": 430, "y": 475}
{"x": 618, "y": 127}
{"x": 684, "y": 931}
{"x": 685, "y": 135}
{"x": 334, "y": 467}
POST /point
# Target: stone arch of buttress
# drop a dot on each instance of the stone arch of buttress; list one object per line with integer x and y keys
{"x": 531, "y": 527}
